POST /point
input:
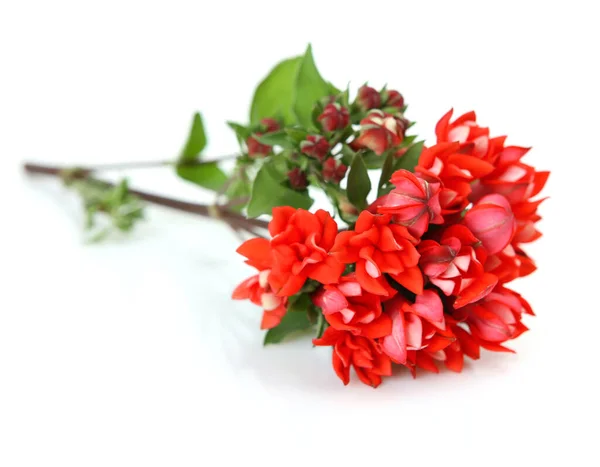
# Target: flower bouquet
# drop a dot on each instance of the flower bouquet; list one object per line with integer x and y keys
{"x": 410, "y": 265}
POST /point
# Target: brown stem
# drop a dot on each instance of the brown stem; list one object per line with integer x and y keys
{"x": 131, "y": 165}
{"x": 193, "y": 208}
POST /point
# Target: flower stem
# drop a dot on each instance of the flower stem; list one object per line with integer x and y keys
{"x": 215, "y": 211}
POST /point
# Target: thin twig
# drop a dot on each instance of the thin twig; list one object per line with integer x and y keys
{"x": 194, "y": 208}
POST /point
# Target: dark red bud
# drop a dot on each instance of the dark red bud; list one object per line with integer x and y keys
{"x": 297, "y": 178}
{"x": 333, "y": 171}
{"x": 315, "y": 146}
{"x": 334, "y": 117}
{"x": 270, "y": 125}
{"x": 368, "y": 98}
{"x": 394, "y": 99}
{"x": 257, "y": 149}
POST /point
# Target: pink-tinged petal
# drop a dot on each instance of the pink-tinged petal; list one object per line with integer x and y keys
{"x": 330, "y": 300}
{"x": 487, "y": 326}
{"x": 394, "y": 345}
{"x": 270, "y": 301}
{"x": 492, "y": 222}
{"x": 511, "y": 154}
{"x": 414, "y": 331}
{"x": 447, "y": 286}
{"x": 350, "y": 288}
{"x": 428, "y": 305}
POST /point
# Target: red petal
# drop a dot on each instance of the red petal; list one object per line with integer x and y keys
{"x": 258, "y": 252}
{"x": 411, "y": 278}
{"x": 482, "y": 286}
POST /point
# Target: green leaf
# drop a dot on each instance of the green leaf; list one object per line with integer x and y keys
{"x": 268, "y": 192}
{"x": 293, "y": 321}
{"x": 359, "y": 184}
{"x": 206, "y": 175}
{"x": 274, "y": 96}
{"x": 241, "y": 132}
{"x": 196, "y": 141}
{"x": 297, "y": 134}
{"x": 277, "y": 138}
{"x": 321, "y": 325}
{"x": 348, "y": 154}
{"x": 386, "y": 173}
{"x": 410, "y": 158}
{"x": 310, "y": 88}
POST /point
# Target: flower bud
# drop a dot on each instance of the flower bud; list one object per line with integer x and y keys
{"x": 394, "y": 99}
{"x": 334, "y": 117}
{"x": 380, "y": 132}
{"x": 414, "y": 202}
{"x": 492, "y": 221}
{"x": 256, "y": 148}
{"x": 368, "y": 98}
{"x": 315, "y": 146}
{"x": 333, "y": 171}
{"x": 270, "y": 125}
{"x": 297, "y": 178}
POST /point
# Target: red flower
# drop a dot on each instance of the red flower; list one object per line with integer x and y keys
{"x": 445, "y": 162}
{"x": 334, "y": 171}
{"x": 492, "y": 222}
{"x": 258, "y": 291}
{"x": 497, "y": 318}
{"x": 364, "y": 354}
{"x": 517, "y": 182}
{"x": 347, "y": 307}
{"x": 380, "y": 132}
{"x": 334, "y": 117}
{"x": 417, "y": 326}
{"x": 394, "y": 99}
{"x": 455, "y": 265}
{"x": 368, "y": 98}
{"x": 509, "y": 264}
{"x": 464, "y": 344}
{"x": 377, "y": 247}
{"x": 297, "y": 178}
{"x": 414, "y": 202}
{"x": 257, "y": 149}
{"x": 473, "y": 139}
{"x": 315, "y": 146}
{"x": 299, "y": 250}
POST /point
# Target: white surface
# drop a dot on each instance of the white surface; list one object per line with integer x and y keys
{"x": 131, "y": 353}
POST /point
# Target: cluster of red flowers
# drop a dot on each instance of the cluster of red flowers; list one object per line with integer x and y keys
{"x": 420, "y": 280}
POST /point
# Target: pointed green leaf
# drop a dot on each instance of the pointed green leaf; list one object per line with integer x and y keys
{"x": 274, "y": 96}
{"x": 268, "y": 192}
{"x": 293, "y": 321}
{"x": 241, "y": 132}
{"x": 196, "y": 141}
{"x": 359, "y": 184}
{"x": 277, "y": 138}
{"x": 386, "y": 173}
{"x": 310, "y": 88}
{"x": 410, "y": 158}
{"x": 206, "y": 175}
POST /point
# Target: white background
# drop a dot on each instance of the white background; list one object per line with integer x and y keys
{"x": 131, "y": 353}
